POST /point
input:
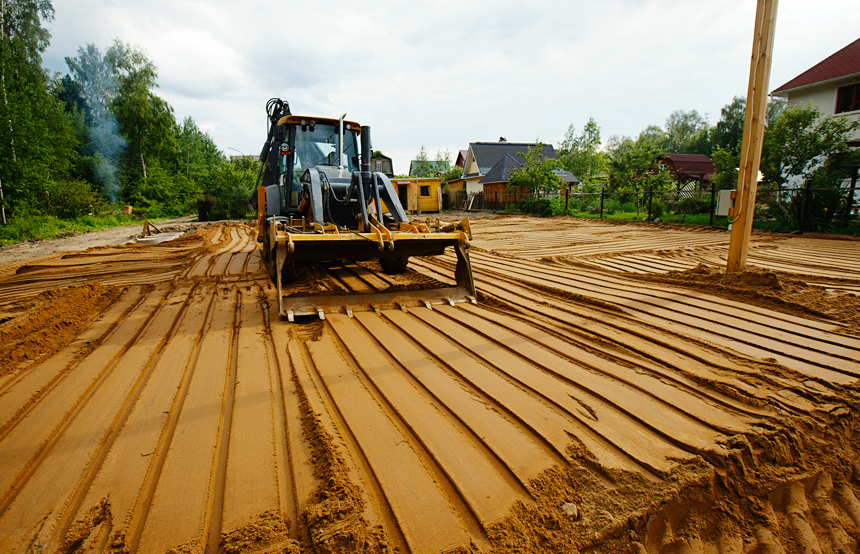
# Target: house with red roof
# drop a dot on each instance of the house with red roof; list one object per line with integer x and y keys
{"x": 691, "y": 171}
{"x": 833, "y": 85}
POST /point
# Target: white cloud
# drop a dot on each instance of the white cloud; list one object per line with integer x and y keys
{"x": 448, "y": 73}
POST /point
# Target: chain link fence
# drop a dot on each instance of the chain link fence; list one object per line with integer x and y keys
{"x": 801, "y": 208}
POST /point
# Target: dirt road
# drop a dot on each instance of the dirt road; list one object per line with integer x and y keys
{"x": 594, "y": 400}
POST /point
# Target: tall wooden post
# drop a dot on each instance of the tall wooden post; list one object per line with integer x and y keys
{"x": 756, "y": 112}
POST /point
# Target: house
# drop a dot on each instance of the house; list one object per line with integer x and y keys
{"x": 495, "y": 183}
{"x": 461, "y": 158}
{"x": 428, "y": 167}
{"x": 690, "y": 171}
{"x": 382, "y": 163}
{"x": 833, "y": 85}
{"x": 482, "y": 156}
{"x": 419, "y": 195}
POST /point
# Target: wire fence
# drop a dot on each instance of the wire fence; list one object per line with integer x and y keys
{"x": 801, "y": 207}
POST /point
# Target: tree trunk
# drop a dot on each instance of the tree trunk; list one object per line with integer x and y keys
{"x": 2, "y": 203}
{"x": 3, "y": 80}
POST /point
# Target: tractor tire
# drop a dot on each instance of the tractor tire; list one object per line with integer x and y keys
{"x": 395, "y": 265}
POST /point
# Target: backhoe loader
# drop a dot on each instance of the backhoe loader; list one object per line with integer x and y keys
{"x": 318, "y": 201}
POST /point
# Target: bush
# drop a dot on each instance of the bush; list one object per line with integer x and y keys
{"x": 72, "y": 199}
{"x": 657, "y": 209}
{"x": 690, "y": 206}
{"x": 545, "y": 207}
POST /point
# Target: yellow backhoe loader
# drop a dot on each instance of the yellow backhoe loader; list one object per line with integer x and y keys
{"x": 318, "y": 201}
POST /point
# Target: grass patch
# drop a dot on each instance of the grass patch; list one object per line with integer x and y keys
{"x": 42, "y": 227}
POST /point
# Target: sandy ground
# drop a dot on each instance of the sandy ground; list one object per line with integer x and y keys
{"x": 612, "y": 391}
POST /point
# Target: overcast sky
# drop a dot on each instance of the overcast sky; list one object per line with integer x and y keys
{"x": 447, "y": 73}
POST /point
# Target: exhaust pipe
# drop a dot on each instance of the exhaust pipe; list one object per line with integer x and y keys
{"x": 365, "y": 150}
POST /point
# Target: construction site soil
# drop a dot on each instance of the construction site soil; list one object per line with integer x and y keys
{"x": 611, "y": 391}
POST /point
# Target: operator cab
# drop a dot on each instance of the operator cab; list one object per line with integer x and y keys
{"x": 314, "y": 143}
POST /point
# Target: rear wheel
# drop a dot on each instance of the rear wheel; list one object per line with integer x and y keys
{"x": 394, "y": 265}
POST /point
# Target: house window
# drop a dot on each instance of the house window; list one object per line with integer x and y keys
{"x": 425, "y": 190}
{"x": 848, "y": 98}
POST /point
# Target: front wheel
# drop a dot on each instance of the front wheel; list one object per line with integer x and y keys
{"x": 394, "y": 265}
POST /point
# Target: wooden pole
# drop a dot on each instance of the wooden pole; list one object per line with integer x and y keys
{"x": 756, "y": 111}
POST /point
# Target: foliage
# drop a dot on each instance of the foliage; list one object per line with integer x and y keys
{"x": 536, "y": 172}
{"x": 726, "y": 163}
{"x": 42, "y": 227}
{"x": 145, "y": 119}
{"x": 687, "y": 133}
{"x": 581, "y": 155}
{"x": 801, "y": 143}
{"x": 421, "y": 166}
{"x": 88, "y": 93}
{"x": 228, "y": 187}
{"x": 729, "y": 131}
{"x": 72, "y": 199}
{"x": 803, "y": 148}
{"x": 545, "y": 207}
{"x": 632, "y": 163}
{"x": 29, "y": 152}
{"x": 693, "y": 205}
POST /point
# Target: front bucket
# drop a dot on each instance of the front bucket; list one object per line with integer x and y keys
{"x": 292, "y": 307}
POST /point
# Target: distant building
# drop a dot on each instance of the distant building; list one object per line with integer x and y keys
{"x": 690, "y": 171}
{"x": 483, "y": 156}
{"x": 434, "y": 167}
{"x": 382, "y": 163}
{"x": 833, "y": 85}
{"x": 237, "y": 157}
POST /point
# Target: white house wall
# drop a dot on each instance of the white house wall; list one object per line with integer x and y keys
{"x": 825, "y": 98}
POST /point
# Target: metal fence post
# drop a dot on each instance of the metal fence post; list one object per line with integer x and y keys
{"x": 650, "y": 198}
{"x": 713, "y": 202}
{"x": 850, "y": 202}
{"x": 602, "y": 189}
{"x": 804, "y": 207}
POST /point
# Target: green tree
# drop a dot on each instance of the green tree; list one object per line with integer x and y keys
{"x": 801, "y": 143}
{"x": 88, "y": 93}
{"x": 729, "y": 131}
{"x": 228, "y": 187}
{"x": 444, "y": 170}
{"x": 632, "y": 163}
{"x": 726, "y": 168}
{"x": 536, "y": 173}
{"x": 421, "y": 166}
{"x": 687, "y": 133}
{"x": 581, "y": 154}
{"x": 803, "y": 148}
{"x": 29, "y": 157}
{"x": 196, "y": 152}
{"x": 146, "y": 120}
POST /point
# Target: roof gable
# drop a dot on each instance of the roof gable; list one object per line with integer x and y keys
{"x": 843, "y": 63}
{"x": 690, "y": 165}
{"x": 487, "y": 154}
{"x": 435, "y": 166}
{"x": 502, "y": 171}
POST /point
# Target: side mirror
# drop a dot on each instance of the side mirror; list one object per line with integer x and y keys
{"x": 280, "y": 133}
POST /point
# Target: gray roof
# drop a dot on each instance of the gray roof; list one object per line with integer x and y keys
{"x": 501, "y": 172}
{"x": 566, "y": 176}
{"x": 488, "y": 154}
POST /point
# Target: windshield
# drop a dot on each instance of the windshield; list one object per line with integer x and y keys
{"x": 319, "y": 147}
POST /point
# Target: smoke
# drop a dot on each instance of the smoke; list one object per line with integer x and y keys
{"x": 108, "y": 147}
{"x": 97, "y": 77}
